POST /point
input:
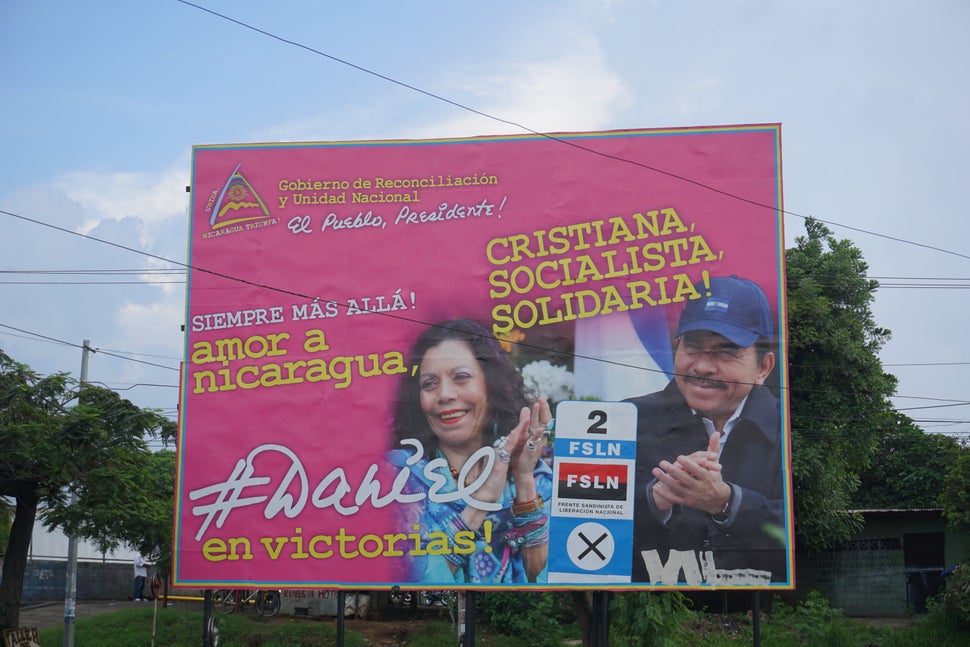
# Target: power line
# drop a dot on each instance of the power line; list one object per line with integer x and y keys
{"x": 128, "y": 352}
{"x": 149, "y": 276}
{"x": 299, "y": 295}
{"x": 137, "y": 361}
{"x": 790, "y": 388}
{"x": 180, "y": 272}
{"x": 96, "y": 271}
{"x": 929, "y": 364}
{"x": 923, "y": 286}
{"x": 489, "y": 116}
{"x": 96, "y": 350}
{"x": 128, "y": 387}
{"x": 550, "y": 137}
{"x": 214, "y": 273}
{"x": 91, "y": 282}
{"x": 935, "y": 406}
{"x": 803, "y": 431}
{"x": 45, "y": 337}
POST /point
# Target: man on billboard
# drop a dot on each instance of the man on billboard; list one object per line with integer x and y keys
{"x": 709, "y": 500}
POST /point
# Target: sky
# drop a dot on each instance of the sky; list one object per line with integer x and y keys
{"x": 101, "y": 102}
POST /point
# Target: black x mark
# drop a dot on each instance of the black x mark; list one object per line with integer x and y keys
{"x": 592, "y": 546}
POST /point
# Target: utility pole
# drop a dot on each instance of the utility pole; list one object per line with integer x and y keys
{"x": 70, "y": 586}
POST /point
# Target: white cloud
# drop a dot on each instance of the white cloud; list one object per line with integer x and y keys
{"x": 140, "y": 211}
{"x": 698, "y": 96}
{"x": 560, "y": 92}
{"x": 150, "y": 196}
{"x": 575, "y": 92}
{"x": 143, "y": 325}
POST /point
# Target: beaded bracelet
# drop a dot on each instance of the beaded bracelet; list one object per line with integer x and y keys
{"x": 528, "y": 517}
{"x": 538, "y": 539}
{"x": 529, "y": 534}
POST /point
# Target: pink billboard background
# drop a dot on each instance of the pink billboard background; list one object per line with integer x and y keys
{"x": 314, "y": 266}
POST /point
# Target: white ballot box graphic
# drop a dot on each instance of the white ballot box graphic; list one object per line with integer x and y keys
{"x": 591, "y": 534}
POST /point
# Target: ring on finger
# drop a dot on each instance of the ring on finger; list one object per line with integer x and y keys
{"x": 504, "y": 456}
{"x": 546, "y": 427}
{"x": 531, "y": 445}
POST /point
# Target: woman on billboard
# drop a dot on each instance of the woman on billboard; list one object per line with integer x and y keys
{"x": 464, "y": 428}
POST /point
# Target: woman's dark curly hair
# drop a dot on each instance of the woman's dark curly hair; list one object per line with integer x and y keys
{"x": 505, "y": 389}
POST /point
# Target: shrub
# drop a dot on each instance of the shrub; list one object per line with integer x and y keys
{"x": 645, "y": 619}
{"x": 540, "y": 616}
{"x": 956, "y": 597}
{"x": 813, "y": 620}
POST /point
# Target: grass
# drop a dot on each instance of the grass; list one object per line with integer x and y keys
{"x": 133, "y": 628}
{"x": 179, "y": 628}
{"x": 735, "y": 631}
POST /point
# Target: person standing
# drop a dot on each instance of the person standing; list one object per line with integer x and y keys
{"x": 141, "y": 572}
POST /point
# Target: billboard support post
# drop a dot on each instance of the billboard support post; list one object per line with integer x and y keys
{"x": 341, "y": 620}
{"x": 206, "y": 616}
{"x": 468, "y": 636}
{"x": 756, "y": 617}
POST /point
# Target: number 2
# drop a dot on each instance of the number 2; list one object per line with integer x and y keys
{"x": 599, "y": 424}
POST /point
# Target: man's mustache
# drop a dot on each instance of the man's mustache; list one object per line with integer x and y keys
{"x": 705, "y": 382}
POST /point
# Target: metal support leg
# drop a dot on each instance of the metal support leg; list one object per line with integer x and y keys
{"x": 469, "y": 640}
{"x": 341, "y": 606}
{"x": 756, "y": 618}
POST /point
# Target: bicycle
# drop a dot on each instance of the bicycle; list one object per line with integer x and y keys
{"x": 267, "y": 602}
{"x": 437, "y": 598}
{"x": 427, "y": 598}
{"x": 156, "y": 585}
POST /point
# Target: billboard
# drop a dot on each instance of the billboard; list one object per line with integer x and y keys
{"x": 540, "y": 361}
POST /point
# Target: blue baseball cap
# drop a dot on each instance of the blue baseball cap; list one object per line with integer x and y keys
{"x": 733, "y": 307}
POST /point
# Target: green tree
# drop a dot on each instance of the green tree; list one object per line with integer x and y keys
{"x": 910, "y": 469}
{"x": 128, "y": 497}
{"x": 839, "y": 392}
{"x": 52, "y": 450}
{"x": 956, "y": 494}
{"x": 156, "y": 525}
{"x": 131, "y": 507}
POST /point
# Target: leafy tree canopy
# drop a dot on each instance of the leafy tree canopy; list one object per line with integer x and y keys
{"x": 910, "y": 468}
{"x": 839, "y": 392}
{"x": 59, "y": 439}
{"x": 956, "y": 492}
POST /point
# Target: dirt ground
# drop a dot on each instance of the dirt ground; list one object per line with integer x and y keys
{"x": 387, "y": 633}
